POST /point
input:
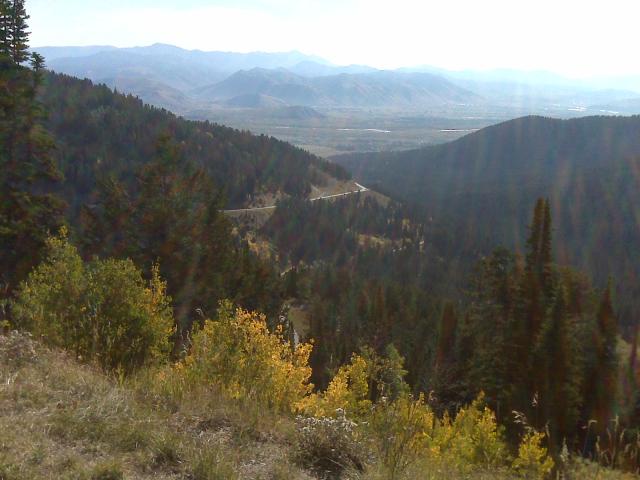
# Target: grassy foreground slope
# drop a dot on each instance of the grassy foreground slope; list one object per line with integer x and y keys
{"x": 60, "y": 419}
{"x": 63, "y": 420}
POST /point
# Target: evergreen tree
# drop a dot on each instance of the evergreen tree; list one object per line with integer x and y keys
{"x": 446, "y": 337}
{"x": 4, "y": 29}
{"x": 602, "y": 390}
{"x": 546, "y": 253}
{"x": 446, "y": 381}
{"x": 171, "y": 213}
{"x": 497, "y": 365}
{"x": 18, "y": 34}
{"x": 172, "y": 217}
{"x": 27, "y": 212}
{"x": 535, "y": 236}
{"x": 559, "y": 391}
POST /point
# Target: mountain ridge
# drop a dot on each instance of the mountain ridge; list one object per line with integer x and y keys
{"x": 484, "y": 183}
{"x": 377, "y": 89}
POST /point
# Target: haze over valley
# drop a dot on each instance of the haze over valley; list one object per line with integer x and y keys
{"x": 331, "y": 109}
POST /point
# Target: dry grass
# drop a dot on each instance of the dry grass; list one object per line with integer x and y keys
{"x": 62, "y": 420}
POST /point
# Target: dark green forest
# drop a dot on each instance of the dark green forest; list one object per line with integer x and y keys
{"x": 483, "y": 185}
{"x": 429, "y": 283}
{"x": 102, "y": 133}
{"x": 537, "y": 337}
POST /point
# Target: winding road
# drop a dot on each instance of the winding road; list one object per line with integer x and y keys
{"x": 323, "y": 197}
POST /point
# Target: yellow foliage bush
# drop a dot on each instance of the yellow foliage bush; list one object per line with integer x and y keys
{"x": 348, "y": 391}
{"x": 473, "y": 438}
{"x": 533, "y": 461}
{"x": 237, "y": 353}
{"x": 403, "y": 432}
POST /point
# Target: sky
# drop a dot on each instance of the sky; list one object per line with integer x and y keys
{"x": 574, "y": 38}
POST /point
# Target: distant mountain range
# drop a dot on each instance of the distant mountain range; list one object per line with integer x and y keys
{"x": 261, "y": 90}
{"x": 181, "y": 80}
{"x": 374, "y": 89}
{"x": 188, "y": 80}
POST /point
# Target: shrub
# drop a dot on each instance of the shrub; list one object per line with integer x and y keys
{"x": 473, "y": 439}
{"x": 102, "y": 311}
{"x": 17, "y": 349}
{"x": 132, "y": 319}
{"x": 403, "y": 431}
{"x": 579, "y": 468}
{"x": 239, "y": 354}
{"x": 329, "y": 445}
{"x": 533, "y": 461}
{"x": 347, "y": 391}
{"x": 51, "y": 302}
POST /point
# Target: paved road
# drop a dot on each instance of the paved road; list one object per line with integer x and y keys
{"x": 323, "y": 197}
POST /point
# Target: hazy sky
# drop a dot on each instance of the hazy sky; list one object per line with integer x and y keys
{"x": 572, "y": 37}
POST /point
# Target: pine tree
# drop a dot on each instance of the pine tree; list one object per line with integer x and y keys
{"x": 633, "y": 356}
{"x": 535, "y": 237}
{"x": 18, "y": 33}
{"x": 171, "y": 214}
{"x": 27, "y": 170}
{"x": 5, "y": 49}
{"x": 446, "y": 378}
{"x": 546, "y": 254}
{"x": 447, "y": 337}
{"x": 178, "y": 223}
{"x": 559, "y": 394}
{"x": 529, "y": 318}
{"x": 604, "y": 387}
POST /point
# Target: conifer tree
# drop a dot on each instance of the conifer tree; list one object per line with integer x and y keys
{"x": 546, "y": 253}
{"x": 18, "y": 33}
{"x": 535, "y": 237}
{"x": 446, "y": 376}
{"x": 172, "y": 216}
{"x": 447, "y": 336}
{"x": 27, "y": 171}
{"x": 633, "y": 356}
{"x": 4, "y": 29}
{"x": 603, "y": 382}
{"x": 559, "y": 394}
{"x": 529, "y": 318}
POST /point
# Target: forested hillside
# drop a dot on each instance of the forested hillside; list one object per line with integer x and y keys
{"x": 370, "y": 341}
{"x": 102, "y": 133}
{"x": 484, "y": 184}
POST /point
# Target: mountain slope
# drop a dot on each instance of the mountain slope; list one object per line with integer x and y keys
{"x": 485, "y": 183}
{"x": 150, "y": 72}
{"x": 87, "y": 425}
{"x": 376, "y": 89}
{"x": 99, "y": 132}
{"x": 83, "y": 58}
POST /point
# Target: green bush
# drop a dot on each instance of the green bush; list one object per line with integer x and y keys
{"x": 103, "y": 310}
